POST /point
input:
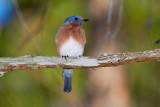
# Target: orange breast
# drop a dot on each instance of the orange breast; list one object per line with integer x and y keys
{"x": 71, "y": 30}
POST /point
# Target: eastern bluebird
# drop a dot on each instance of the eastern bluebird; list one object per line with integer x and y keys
{"x": 70, "y": 41}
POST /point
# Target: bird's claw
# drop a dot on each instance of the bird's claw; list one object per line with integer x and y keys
{"x": 65, "y": 57}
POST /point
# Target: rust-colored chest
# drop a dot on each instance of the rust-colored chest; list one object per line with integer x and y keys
{"x": 70, "y": 30}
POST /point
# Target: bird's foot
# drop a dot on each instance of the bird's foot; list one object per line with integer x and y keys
{"x": 78, "y": 57}
{"x": 65, "y": 57}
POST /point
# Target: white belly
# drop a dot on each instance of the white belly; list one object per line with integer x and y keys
{"x": 71, "y": 48}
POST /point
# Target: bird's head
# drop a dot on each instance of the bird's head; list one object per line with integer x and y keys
{"x": 75, "y": 20}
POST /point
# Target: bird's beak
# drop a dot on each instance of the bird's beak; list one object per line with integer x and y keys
{"x": 85, "y": 20}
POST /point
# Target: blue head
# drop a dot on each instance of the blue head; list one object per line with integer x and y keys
{"x": 75, "y": 20}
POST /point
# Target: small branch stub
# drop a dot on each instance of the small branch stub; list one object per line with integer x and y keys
{"x": 105, "y": 60}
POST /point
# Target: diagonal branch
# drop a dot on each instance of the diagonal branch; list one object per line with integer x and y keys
{"x": 104, "y": 60}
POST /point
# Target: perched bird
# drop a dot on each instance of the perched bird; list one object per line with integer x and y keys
{"x": 70, "y": 42}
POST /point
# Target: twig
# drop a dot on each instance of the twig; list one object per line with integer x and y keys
{"x": 105, "y": 60}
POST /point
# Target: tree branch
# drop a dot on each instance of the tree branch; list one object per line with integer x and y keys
{"x": 104, "y": 60}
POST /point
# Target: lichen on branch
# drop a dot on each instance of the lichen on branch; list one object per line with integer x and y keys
{"x": 104, "y": 60}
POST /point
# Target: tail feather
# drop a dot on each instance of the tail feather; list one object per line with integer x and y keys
{"x": 67, "y": 75}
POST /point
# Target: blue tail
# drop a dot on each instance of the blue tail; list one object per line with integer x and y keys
{"x": 67, "y": 75}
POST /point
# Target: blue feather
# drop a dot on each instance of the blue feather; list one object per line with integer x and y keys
{"x": 71, "y": 19}
{"x": 67, "y": 75}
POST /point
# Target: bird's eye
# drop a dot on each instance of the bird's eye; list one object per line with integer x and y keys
{"x": 76, "y": 18}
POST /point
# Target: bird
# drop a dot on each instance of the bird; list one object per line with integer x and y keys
{"x": 70, "y": 42}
